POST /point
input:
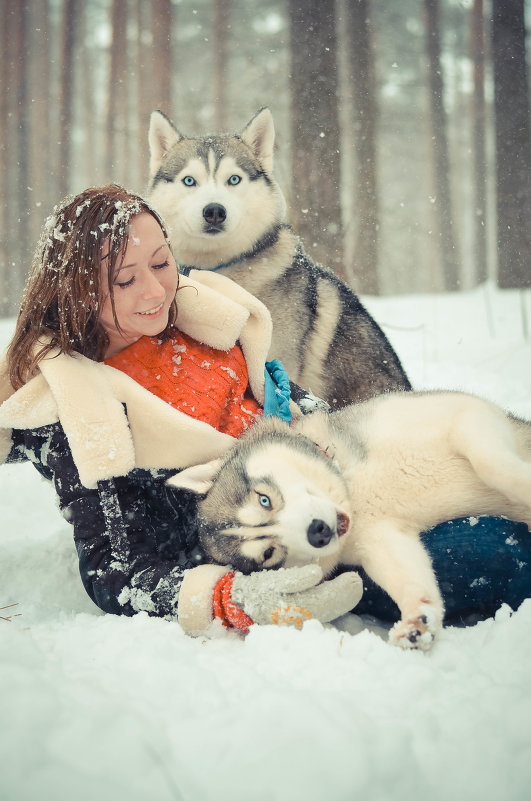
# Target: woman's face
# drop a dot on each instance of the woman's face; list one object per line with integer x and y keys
{"x": 145, "y": 283}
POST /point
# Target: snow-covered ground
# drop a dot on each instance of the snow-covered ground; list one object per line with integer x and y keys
{"x": 116, "y": 709}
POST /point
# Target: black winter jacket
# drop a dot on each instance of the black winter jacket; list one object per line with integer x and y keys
{"x": 134, "y": 534}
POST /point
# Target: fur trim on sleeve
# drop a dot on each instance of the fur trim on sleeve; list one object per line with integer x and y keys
{"x": 213, "y": 319}
{"x": 255, "y": 335}
{"x": 88, "y": 398}
{"x": 6, "y": 390}
{"x": 196, "y": 597}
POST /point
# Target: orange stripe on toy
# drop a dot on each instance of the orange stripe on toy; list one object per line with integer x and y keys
{"x": 290, "y": 615}
{"x": 225, "y": 609}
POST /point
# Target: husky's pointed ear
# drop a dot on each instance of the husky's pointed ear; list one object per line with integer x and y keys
{"x": 162, "y": 135}
{"x": 259, "y": 134}
{"x": 198, "y": 478}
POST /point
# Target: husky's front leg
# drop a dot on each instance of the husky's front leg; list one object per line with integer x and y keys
{"x": 398, "y": 562}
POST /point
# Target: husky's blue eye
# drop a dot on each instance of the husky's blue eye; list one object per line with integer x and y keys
{"x": 189, "y": 181}
{"x": 234, "y": 180}
{"x": 264, "y": 501}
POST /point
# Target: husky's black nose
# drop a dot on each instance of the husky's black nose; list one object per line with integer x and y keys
{"x": 319, "y": 533}
{"x": 215, "y": 213}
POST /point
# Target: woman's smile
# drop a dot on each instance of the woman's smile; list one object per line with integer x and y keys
{"x": 153, "y": 312}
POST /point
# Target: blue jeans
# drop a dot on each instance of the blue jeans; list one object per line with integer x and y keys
{"x": 478, "y": 566}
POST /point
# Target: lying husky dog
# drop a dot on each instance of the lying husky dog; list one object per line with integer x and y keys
{"x": 359, "y": 485}
{"x": 226, "y": 213}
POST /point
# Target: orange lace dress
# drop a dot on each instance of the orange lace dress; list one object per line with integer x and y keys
{"x": 205, "y": 383}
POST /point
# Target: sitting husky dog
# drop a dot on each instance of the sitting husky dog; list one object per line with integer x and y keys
{"x": 226, "y": 212}
{"x": 359, "y": 485}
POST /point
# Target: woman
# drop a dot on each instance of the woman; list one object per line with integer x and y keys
{"x": 100, "y": 302}
{"x": 120, "y": 373}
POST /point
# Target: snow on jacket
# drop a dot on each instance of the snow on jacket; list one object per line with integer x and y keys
{"x": 109, "y": 446}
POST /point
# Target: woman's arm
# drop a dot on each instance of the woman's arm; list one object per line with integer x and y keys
{"x": 137, "y": 543}
{"x": 136, "y": 538}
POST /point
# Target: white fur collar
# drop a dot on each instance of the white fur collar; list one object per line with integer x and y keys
{"x": 88, "y": 397}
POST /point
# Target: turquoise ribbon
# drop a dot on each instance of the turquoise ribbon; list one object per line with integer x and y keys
{"x": 277, "y": 391}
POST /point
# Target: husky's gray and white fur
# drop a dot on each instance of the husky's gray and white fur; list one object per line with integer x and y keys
{"x": 226, "y": 212}
{"x": 383, "y": 471}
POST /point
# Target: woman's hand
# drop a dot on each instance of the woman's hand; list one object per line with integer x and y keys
{"x": 288, "y": 596}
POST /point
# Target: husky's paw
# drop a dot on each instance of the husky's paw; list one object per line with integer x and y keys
{"x": 417, "y": 632}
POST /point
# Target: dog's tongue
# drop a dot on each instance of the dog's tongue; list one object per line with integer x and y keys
{"x": 343, "y": 522}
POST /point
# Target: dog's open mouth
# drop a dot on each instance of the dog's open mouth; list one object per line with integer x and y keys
{"x": 343, "y": 522}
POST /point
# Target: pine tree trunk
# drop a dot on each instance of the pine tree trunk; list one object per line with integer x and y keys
{"x": 441, "y": 161}
{"x": 4, "y": 164}
{"x": 17, "y": 136}
{"x": 477, "y": 54}
{"x": 88, "y": 107}
{"x": 221, "y": 37}
{"x": 161, "y": 55}
{"x": 511, "y": 105}
{"x": 315, "y": 199}
{"x": 145, "y": 102}
{"x": 43, "y": 193}
{"x": 66, "y": 82}
{"x": 116, "y": 98}
{"x": 362, "y": 78}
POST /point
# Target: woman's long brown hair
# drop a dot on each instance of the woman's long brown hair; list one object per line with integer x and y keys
{"x": 62, "y": 297}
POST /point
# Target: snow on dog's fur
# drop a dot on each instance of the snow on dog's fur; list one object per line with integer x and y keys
{"x": 226, "y": 213}
{"x": 359, "y": 485}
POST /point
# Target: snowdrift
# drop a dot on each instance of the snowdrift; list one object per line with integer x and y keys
{"x": 99, "y": 707}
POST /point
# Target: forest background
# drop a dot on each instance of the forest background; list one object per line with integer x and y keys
{"x": 403, "y": 128}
